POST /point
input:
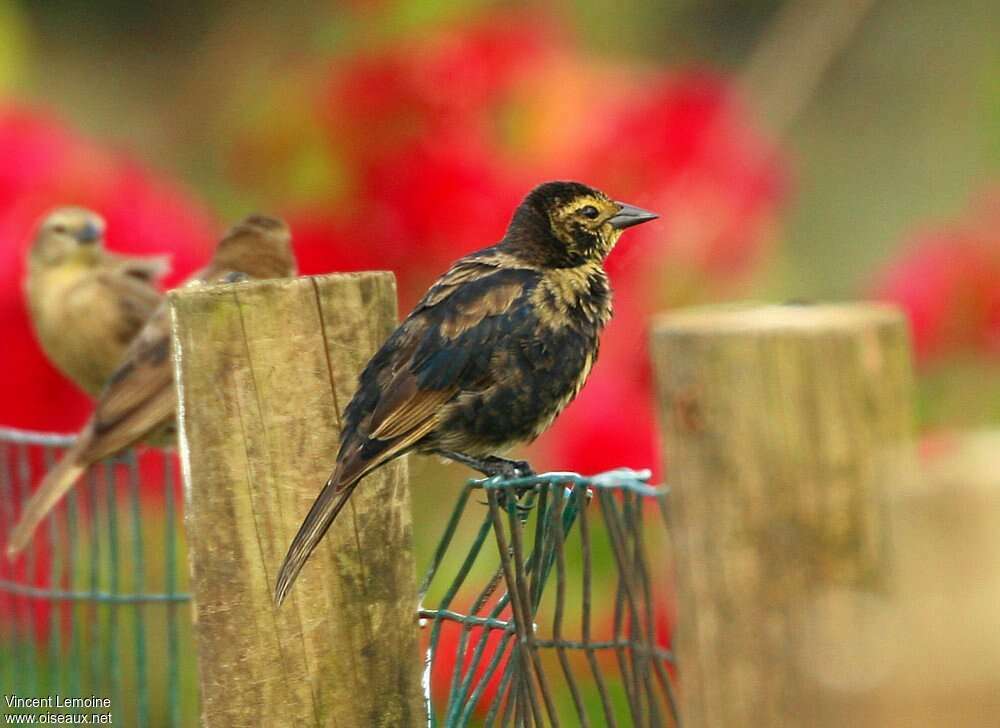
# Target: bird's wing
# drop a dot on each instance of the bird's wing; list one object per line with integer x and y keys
{"x": 478, "y": 266}
{"x": 135, "y": 299}
{"x": 442, "y": 348}
{"x": 139, "y": 397}
{"x": 149, "y": 269}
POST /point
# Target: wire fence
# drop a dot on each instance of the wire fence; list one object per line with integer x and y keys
{"x": 95, "y": 608}
{"x": 97, "y": 605}
{"x": 502, "y": 667}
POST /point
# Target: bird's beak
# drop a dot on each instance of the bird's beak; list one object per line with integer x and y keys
{"x": 630, "y": 215}
{"x": 89, "y": 233}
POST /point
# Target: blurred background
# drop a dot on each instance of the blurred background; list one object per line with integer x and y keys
{"x": 801, "y": 150}
{"x": 796, "y": 150}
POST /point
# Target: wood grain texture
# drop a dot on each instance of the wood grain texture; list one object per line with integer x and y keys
{"x": 264, "y": 370}
{"x": 783, "y": 429}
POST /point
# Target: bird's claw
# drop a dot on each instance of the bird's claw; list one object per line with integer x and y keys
{"x": 523, "y": 469}
{"x": 519, "y": 493}
{"x": 507, "y": 469}
{"x": 521, "y": 508}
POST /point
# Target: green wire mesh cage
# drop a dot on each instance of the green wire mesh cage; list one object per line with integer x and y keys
{"x": 95, "y": 610}
{"x": 544, "y": 610}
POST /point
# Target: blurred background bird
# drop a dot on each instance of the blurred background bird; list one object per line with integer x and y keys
{"x": 139, "y": 401}
{"x": 87, "y": 304}
{"x": 491, "y": 354}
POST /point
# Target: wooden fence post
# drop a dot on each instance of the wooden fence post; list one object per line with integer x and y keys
{"x": 263, "y": 371}
{"x": 783, "y": 428}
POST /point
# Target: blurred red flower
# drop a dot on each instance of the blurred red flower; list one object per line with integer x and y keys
{"x": 948, "y": 283}
{"x": 326, "y": 241}
{"x": 440, "y": 199}
{"x": 448, "y": 82}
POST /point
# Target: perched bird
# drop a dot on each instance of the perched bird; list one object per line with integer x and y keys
{"x": 139, "y": 401}
{"x": 86, "y": 303}
{"x": 497, "y": 347}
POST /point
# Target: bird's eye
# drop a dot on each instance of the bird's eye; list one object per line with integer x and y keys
{"x": 589, "y": 211}
{"x": 59, "y": 229}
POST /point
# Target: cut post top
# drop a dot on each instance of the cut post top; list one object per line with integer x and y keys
{"x": 198, "y": 289}
{"x": 755, "y": 317}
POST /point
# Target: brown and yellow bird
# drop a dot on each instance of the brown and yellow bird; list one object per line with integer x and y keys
{"x": 491, "y": 354}
{"x": 87, "y": 304}
{"x": 139, "y": 401}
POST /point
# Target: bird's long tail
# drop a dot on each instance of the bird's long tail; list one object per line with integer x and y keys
{"x": 55, "y": 485}
{"x": 325, "y": 509}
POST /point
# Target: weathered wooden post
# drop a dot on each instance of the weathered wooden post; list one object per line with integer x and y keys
{"x": 783, "y": 428}
{"x": 263, "y": 372}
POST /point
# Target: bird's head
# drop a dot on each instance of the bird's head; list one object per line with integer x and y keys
{"x": 259, "y": 246}
{"x": 569, "y": 223}
{"x": 67, "y": 234}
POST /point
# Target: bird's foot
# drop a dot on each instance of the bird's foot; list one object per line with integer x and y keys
{"x": 494, "y": 466}
{"x": 236, "y": 277}
{"x": 509, "y": 470}
{"x": 522, "y": 509}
